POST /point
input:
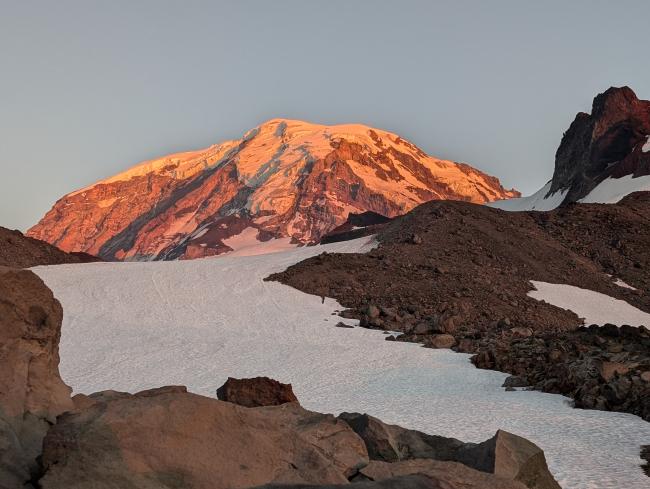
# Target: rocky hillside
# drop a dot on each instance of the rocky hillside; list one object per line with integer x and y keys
{"x": 255, "y": 435}
{"x": 456, "y": 274}
{"x": 283, "y": 179}
{"x": 19, "y": 251}
{"x": 602, "y": 157}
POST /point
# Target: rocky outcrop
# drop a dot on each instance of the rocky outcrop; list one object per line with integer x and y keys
{"x": 20, "y": 251}
{"x": 609, "y": 142}
{"x": 505, "y": 455}
{"x": 283, "y": 179}
{"x": 256, "y": 392}
{"x": 158, "y": 439}
{"x": 32, "y": 393}
{"x": 599, "y": 367}
{"x": 455, "y": 274}
{"x": 356, "y": 226}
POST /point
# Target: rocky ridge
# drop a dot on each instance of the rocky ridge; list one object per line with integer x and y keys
{"x": 457, "y": 275}
{"x": 20, "y": 251}
{"x": 284, "y": 179}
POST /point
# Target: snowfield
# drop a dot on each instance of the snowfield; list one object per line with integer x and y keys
{"x": 132, "y": 326}
{"x": 593, "y": 307}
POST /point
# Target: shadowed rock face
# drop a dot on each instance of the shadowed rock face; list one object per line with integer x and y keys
{"x": 505, "y": 455}
{"x": 19, "y": 251}
{"x": 283, "y": 179}
{"x": 606, "y": 143}
{"x": 32, "y": 393}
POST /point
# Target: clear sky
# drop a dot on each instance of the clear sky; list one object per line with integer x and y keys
{"x": 90, "y": 87}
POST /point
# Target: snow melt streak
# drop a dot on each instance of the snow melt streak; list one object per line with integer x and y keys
{"x": 132, "y": 326}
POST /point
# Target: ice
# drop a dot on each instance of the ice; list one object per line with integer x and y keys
{"x": 594, "y": 307}
{"x": 132, "y": 326}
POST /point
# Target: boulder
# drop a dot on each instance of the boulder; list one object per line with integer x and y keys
{"x": 256, "y": 392}
{"x": 444, "y": 474}
{"x": 168, "y": 438}
{"x": 505, "y": 455}
{"x": 609, "y": 369}
{"x": 510, "y": 457}
{"x": 441, "y": 341}
{"x": 391, "y": 443}
{"x": 32, "y": 393}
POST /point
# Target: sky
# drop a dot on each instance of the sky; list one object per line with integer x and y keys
{"x": 89, "y": 88}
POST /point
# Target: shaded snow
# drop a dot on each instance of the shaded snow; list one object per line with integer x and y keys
{"x": 646, "y": 145}
{"x": 611, "y": 190}
{"x": 247, "y": 244}
{"x": 536, "y": 202}
{"x": 594, "y": 307}
{"x": 131, "y": 326}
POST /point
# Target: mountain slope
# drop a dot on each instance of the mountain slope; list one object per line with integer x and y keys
{"x": 602, "y": 157}
{"x": 285, "y": 179}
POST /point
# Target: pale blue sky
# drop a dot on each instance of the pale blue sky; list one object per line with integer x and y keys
{"x": 89, "y": 87}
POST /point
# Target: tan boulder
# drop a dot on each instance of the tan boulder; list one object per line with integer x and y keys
{"x": 175, "y": 439}
{"x": 32, "y": 393}
{"x": 609, "y": 369}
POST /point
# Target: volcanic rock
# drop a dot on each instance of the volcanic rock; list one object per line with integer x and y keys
{"x": 256, "y": 392}
{"x": 606, "y": 143}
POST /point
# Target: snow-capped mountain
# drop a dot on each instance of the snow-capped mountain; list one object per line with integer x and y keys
{"x": 284, "y": 179}
{"x": 603, "y": 156}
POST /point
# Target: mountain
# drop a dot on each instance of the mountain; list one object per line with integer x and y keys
{"x": 20, "y": 251}
{"x": 284, "y": 179}
{"x": 602, "y": 157}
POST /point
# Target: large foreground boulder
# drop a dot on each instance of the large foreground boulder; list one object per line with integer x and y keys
{"x": 505, "y": 455}
{"x": 168, "y": 439}
{"x": 32, "y": 393}
{"x": 256, "y": 392}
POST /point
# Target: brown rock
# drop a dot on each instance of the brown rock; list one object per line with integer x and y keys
{"x": 176, "y": 439}
{"x": 255, "y": 392}
{"x": 505, "y": 455}
{"x": 609, "y": 369}
{"x": 521, "y": 332}
{"x": 32, "y": 393}
{"x": 445, "y": 474}
{"x": 441, "y": 341}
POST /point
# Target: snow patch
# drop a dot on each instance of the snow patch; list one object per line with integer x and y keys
{"x": 593, "y": 307}
{"x": 620, "y": 283}
{"x": 611, "y": 190}
{"x": 247, "y": 244}
{"x": 536, "y": 202}
{"x": 132, "y": 326}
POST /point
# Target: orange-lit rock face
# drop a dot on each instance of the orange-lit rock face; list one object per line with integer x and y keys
{"x": 286, "y": 179}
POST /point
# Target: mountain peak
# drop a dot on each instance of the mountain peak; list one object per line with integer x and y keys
{"x": 285, "y": 179}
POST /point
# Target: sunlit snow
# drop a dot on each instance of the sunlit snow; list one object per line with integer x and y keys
{"x": 594, "y": 307}
{"x": 131, "y": 326}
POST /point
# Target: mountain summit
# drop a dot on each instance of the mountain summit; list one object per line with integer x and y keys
{"x": 284, "y": 179}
